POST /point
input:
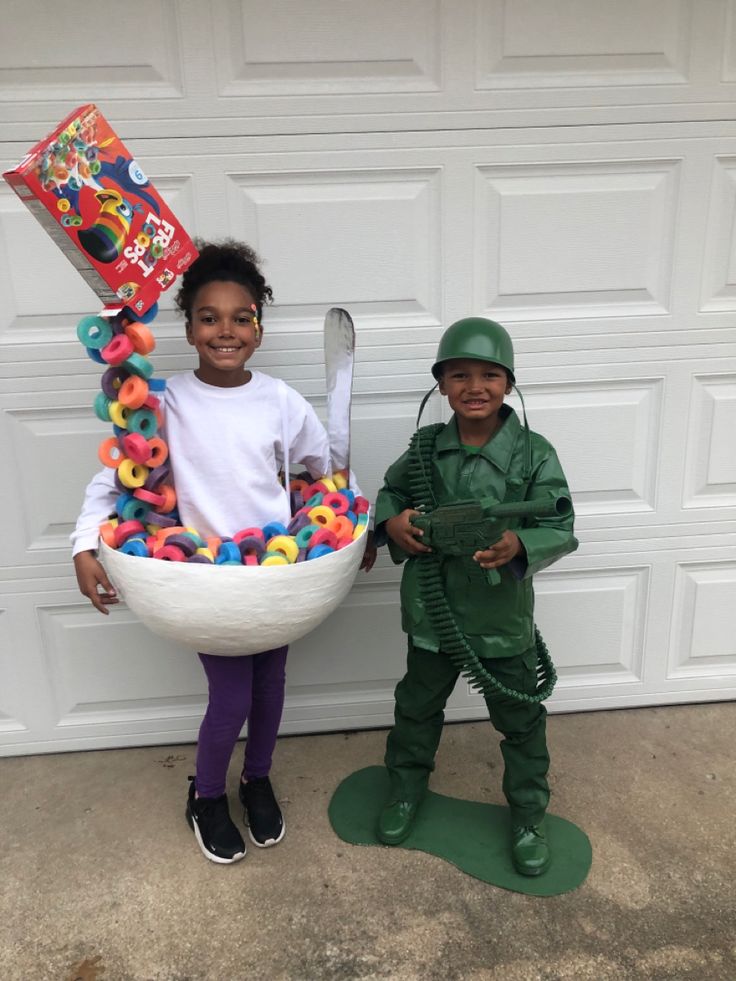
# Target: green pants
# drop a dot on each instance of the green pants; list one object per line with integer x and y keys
{"x": 421, "y": 697}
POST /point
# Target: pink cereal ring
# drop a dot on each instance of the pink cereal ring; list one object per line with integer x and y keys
{"x": 136, "y": 447}
{"x": 338, "y": 502}
{"x": 170, "y": 553}
{"x": 156, "y": 500}
{"x": 323, "y": 537}
{"x": 126, "y": 530}
{"x": 119, "y": 348}
{"x": 361, "y": 505}
{"x": 250, "y": 559}
{"x": 249, "y": 533}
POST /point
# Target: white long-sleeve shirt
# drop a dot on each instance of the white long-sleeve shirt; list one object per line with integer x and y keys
{"x": 226, "y": 446}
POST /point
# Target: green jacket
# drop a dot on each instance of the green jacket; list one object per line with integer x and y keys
{"x": 498, "y": 621}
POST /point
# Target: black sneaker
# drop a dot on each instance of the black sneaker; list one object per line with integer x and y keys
{"x": 217, "y": 836}
{"x": 262, "y": 814}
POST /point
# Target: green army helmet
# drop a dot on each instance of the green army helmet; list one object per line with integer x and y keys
{"x": 476, "y": 338}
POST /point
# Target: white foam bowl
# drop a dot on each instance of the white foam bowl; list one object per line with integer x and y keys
{"x": 232, "y": 610}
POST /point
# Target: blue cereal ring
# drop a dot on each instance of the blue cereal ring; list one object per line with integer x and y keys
{"x": 274, "y": 528}
{"x": 318, "y": 551}
{"x": 228, "y": 552}
{"x": 156, "y": 384}
{"x": 95, "y": 355}
{"x": 135, "y": 546}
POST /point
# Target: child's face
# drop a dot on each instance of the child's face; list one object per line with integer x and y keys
{"x": 474, "y": 389}
{"x": 223, "y": 332}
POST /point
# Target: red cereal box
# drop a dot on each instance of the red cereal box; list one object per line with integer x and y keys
{"x": 93, "y": 199}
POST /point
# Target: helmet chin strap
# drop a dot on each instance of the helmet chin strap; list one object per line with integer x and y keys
{"x": 527, "y": 437}
{"x": 424, "y": 402}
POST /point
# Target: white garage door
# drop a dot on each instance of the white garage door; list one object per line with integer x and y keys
{"x": 567, "y": 168}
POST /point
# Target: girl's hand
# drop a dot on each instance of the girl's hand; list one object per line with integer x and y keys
{"x": 406, "y": 535}
{"x": 90, "y": 576}
{"x": 369, "y": 556}
{"x": 506, "y": 548}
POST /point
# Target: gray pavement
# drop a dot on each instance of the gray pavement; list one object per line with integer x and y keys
{"x": 101, "y": 878}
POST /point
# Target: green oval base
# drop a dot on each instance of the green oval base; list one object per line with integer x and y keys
{"x": 470, "y": 835}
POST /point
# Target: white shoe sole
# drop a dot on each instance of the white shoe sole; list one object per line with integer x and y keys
{"x": 271, "y": 841}
{"x": 208, "y": 854}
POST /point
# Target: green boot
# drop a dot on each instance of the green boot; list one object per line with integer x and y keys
{"x": 529, "y": 849}
{"x": 395, "y": 821}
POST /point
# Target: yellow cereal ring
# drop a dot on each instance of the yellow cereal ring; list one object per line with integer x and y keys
{"x": 319, "y": 515}
{"x": 284, "y": 545}
{"x": 274, "y": 558}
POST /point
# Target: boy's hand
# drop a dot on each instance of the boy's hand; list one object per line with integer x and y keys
{"x": 406, "y": 535}
{"x": 90, "y": 576}
{"x": 369, "y": 556}
{"x": 506, "y": 548}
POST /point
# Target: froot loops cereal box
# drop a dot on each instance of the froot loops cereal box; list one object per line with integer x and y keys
{"x": 95, "y": 201}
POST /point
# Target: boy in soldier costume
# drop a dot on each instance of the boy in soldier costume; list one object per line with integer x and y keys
{"x": 482, "y": 454}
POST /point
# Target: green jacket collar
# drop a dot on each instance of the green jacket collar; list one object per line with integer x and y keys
{"x": 499, "y": 448}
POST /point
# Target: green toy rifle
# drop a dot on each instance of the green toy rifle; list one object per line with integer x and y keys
{"x": 469, "y": 526}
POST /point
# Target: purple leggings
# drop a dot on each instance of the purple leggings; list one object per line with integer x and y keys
{"x": 249, "y": 687}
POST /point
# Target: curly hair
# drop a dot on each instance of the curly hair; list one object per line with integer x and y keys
{"x": 225, "y": 261}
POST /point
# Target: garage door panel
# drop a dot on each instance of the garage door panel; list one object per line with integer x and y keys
{"x": 531, "y": 43}
{"x": 336, "y": 47}
{"x": 130, "y": 52}
{"x": 711, "y": 447}
{"x": 621, "y": 419}
{"x": 108, "y": 670}
{"x": 51, "y": 451}
{"x": 376, "y": 232}
{"x": 11, "y": 687}
{"x": 608, "y": 607}
{"x": 702, "y": 641}
{"x": 719, "y": 259}
{"x": 602, "y": 234}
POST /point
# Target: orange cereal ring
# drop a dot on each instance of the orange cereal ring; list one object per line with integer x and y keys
{"x": 169, "y": 495}
{"x": 342, "y": 526}
{"x": 141, "y": 338}
{"x": 110, "y": 453}
{"x": 213, "y": 544}
{"x": 107, "y": 534}
{"x": 159, "y": 452}
{"x": 133, "y": 392}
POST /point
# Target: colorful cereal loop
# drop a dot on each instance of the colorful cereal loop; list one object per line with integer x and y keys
{"x": 109, "y": 452}
{"x": 284, "y": 545}
{"x": 132, "y": 474}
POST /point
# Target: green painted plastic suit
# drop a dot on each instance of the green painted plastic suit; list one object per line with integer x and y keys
{"x": 496, "y": 617}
